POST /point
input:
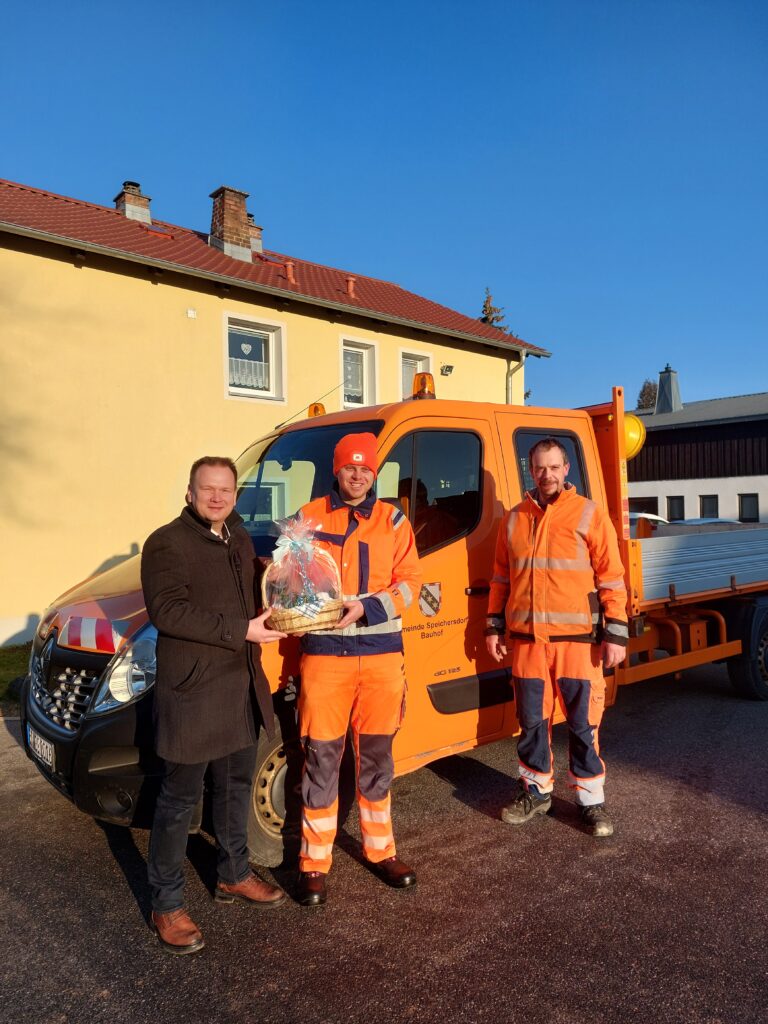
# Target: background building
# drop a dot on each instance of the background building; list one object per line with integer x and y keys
{"x": 704, "y": 459}
{"x": 130, "y": 346}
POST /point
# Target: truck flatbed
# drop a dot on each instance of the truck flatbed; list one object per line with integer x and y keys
{"x": 702, "y": 563}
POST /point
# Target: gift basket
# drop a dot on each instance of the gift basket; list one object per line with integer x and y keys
{"x": 301, "y": 585}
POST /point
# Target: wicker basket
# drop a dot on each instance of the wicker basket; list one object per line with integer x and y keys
{"x": 293, "y": 620}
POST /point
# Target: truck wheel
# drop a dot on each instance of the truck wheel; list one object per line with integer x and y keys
{"x": 748, "y": 672}
{"x": 268, "y": 808}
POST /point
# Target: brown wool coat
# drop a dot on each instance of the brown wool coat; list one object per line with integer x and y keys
{"x": 211, "y": 691}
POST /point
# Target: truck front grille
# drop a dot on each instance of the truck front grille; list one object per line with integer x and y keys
{"x": 63, "y": 692}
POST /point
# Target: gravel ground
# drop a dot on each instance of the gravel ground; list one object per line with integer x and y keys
{"x": 664, "y": 923}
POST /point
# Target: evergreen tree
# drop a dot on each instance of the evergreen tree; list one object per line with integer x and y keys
{"x": 493, "y": 315}
{"x": 647, "y": 396}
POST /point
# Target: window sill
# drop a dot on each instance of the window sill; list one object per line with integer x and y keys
{"x": 252, "y": 396}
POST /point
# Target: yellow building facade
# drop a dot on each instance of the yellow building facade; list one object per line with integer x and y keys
{"x": 118, "y": 372}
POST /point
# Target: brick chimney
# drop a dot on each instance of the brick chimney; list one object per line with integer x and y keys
{"x": 256, "y": 231}
{"x": 132, "y": 203}
{"x": 230, "y": 230}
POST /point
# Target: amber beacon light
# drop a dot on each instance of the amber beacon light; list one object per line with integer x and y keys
{"x": 423, "y": 386}
{"x": 634, "y": 434}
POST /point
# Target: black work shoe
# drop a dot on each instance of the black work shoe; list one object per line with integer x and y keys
{"x": 311, "y": 890}
{"x": 525, "y": 805}
{"x": 596, "y": 821}
{"x": 394, "y": 873}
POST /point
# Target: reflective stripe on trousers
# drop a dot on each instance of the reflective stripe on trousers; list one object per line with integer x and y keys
{"x": 365, "y": 693}
{"x": 571, "y": 674}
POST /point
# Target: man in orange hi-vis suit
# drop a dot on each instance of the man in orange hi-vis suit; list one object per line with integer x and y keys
{"x": 353, "y": 674}
{"x": 558, "y": 591}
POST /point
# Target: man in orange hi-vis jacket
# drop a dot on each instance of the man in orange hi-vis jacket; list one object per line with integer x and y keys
{"x": 353, "y": 674}
{"x": 558, "y": 591}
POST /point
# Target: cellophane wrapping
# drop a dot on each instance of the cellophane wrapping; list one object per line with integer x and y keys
{"x": 302, "y": 577}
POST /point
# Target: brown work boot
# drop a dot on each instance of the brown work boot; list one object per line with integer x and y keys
{"x": 252, "y": 891}
{"x": 176, "y": 931}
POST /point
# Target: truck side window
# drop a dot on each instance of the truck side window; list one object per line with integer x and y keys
{"x": 525, "y": 440}
{"x": 435, "y": 477}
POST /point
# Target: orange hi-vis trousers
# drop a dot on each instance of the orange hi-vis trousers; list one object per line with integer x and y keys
{"x": 571, "y": 674}
{"x": 336, "y": 692}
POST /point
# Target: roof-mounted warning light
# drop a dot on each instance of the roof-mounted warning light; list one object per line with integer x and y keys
{"x": 423, "y": 386}
{"x": 316, "y": 409}
{"x": 634, "y": 434}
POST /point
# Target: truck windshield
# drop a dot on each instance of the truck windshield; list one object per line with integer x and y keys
{"x": 278, "y": 475}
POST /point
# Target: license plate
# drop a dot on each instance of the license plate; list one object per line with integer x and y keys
{"x": 42, "y": 749}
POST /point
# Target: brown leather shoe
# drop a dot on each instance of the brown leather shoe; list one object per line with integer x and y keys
{"x": 176, "y": 931}
{"x": 252, "y": 891}
{"x": 395, "y": 873}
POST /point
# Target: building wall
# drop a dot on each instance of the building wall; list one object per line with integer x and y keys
{"x": 111, "y": 388}
{"x": 703, "y": 451}
{"x": 728, "y": 490}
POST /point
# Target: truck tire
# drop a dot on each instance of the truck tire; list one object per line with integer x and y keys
{"x": 267, "y": 814}
{"x": 748, "y": 672}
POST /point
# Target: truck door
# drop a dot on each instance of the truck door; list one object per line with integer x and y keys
{"x": 444, "y": 480}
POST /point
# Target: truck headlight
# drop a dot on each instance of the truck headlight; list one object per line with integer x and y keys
{"x": 130, "y": 675}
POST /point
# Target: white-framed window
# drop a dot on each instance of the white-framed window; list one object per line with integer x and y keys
{"x": 359, "y": 369}
{"x": 412, "y": 363}
{"x": 254, "y": 359}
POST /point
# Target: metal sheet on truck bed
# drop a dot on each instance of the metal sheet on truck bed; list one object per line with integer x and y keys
{"x": 699, "y": 562}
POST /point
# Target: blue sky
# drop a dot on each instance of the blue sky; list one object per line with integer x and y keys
{"x": 601, "y": 165}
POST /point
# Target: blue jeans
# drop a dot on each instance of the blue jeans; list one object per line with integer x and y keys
{"x": 180, "y": 792}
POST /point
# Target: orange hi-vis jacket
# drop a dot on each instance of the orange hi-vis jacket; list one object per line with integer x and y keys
{"x": 557, "y": 573}
{"x": 374, "y": 548}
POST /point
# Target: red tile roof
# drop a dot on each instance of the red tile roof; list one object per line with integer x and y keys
{"x": 32, "y": 211}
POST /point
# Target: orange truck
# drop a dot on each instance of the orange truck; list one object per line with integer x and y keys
{"x": 454, "y": 467}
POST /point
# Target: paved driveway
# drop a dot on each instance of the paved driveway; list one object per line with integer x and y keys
{"x": 665, "y": 922}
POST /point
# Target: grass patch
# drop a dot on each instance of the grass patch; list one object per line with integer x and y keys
{"x": 13, "y": 663}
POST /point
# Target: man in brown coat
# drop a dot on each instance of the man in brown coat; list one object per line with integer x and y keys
{"x": 198, "y": 575}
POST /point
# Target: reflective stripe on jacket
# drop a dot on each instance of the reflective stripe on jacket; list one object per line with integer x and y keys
{"x": 375, "y": 551}
{"x": 557, "y": 573}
